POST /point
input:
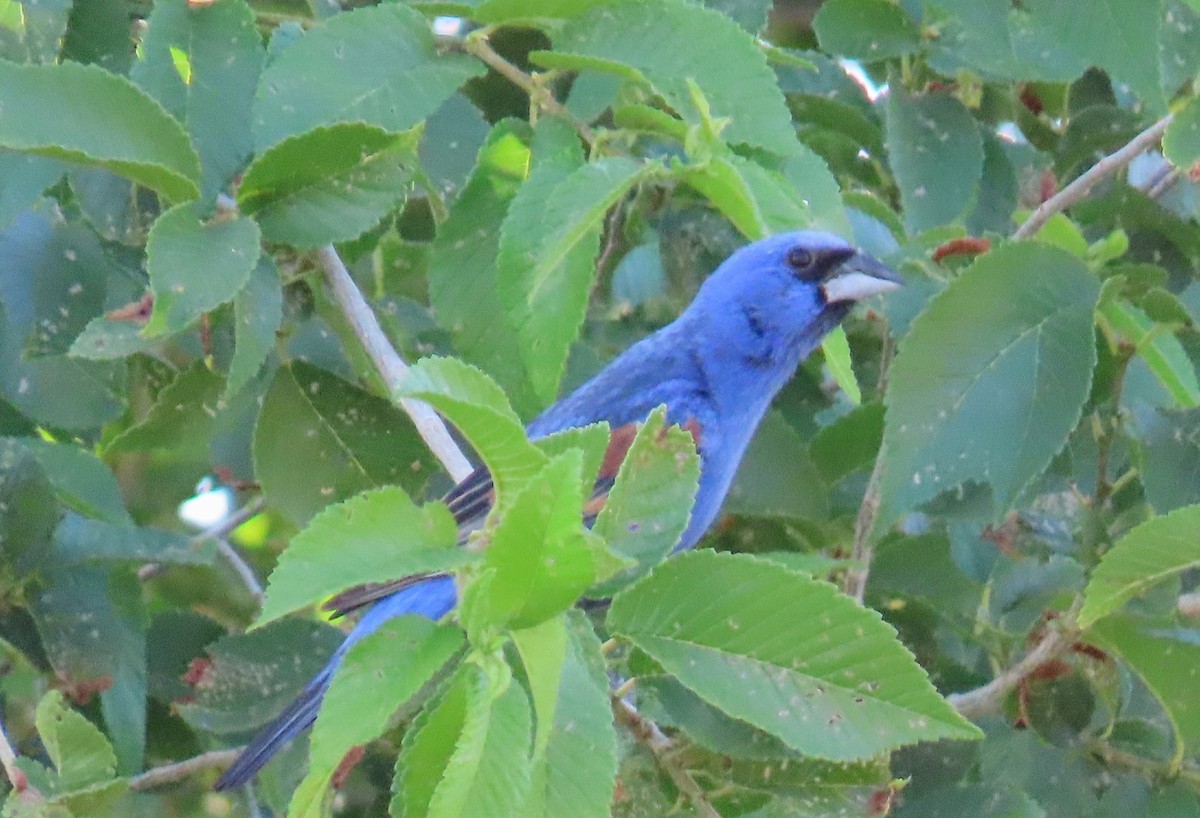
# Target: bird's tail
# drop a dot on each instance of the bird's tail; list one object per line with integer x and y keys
{"x": 433, "y": 598}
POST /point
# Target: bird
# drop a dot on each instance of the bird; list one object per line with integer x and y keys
{"x": 716, "y": 368}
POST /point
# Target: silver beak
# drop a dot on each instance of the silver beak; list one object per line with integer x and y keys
{"x": 858, "y": 277}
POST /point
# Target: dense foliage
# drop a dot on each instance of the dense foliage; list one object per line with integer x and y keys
{"x": 954, "y": 577}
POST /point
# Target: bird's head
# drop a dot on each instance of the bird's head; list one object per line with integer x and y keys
{"x": 776, "y": 299}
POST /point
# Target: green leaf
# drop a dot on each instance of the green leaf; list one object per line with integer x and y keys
{"x": 54, "y": 280}
{"x": 224, "y": 55}
{"x": 1165, "y": 660}
{"x": 330, "y": 184}
{"x": 84, "y": 114}
{"x": 1118, "y": 36}
{"x": 375, "y": 65}
{"x": 785, "y": 653}
{"x": 591, "y": 440}
{"x": 777, "y": 477}
{"x": 182, "y": 415}
{"x": 196, "y": 267}
{"x": 657, "y": 39}
{"x": 252, "y": 676}
{"x": 257, "y": 314}
{"x": 80, "y": 480}
{"x": 92, "y": 624}
{"x": 1029, "y": 307}
{"x": 1168, "y": 456}
{"x": 1157, "y": 346}
{"x": 467, "y": 305}
{"x": 837, "y": 357}
{"x": 995, "y": 41}
{"x": 479, "y": 409}
{"x": 649, "y": 504}
{"x": 468, "y": 755}
{"x": 761, "y": 202}
{"x": 543, "y": 650}
{"x": 538, "y": 561}
{"x": 937, "y": 155}
{"x": 376, "y": 536}
{"x": 33, "y": 31}
{"x": 80, "y": 752}
{"x": 98, "y": 32}
{"x": 348, "y": 440}
{"x": 22, "y": 180}
{"x": 105, "y": 339}
{"x": 576, "y": 773}
{"x": 867, "y": 30}
{"x": 548, "y": 248}
{"x": 79, "y": 539}
{"x": 1150, "y": 553}
{"x": 555, "y": 154}
{"x": 377, "y": 676}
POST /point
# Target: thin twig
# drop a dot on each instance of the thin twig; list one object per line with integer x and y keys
{"x": 541, "y": 96}
{"x": 388, "y": 362}
{"x": 855, "y": 581}
{"x": 170, "y": 773}
{"x": 383, "y": 355}
{"x": 1074, "y": 192}
{"x": 653, "y": 739}
{"x": 1059, "y": 638}
{"x": 8, "y": 759}
{"x": 219, "y": 532}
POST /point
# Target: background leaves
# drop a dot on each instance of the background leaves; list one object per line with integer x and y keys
{"x": 999, "y": 458}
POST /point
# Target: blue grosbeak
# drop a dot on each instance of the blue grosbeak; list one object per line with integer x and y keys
{"x": 716, "y": 368}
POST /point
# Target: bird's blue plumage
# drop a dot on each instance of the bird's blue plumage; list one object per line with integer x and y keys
{"x": 716, "y": 367}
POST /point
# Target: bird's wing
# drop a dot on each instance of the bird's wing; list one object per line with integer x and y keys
{"x": 471, "y": 500}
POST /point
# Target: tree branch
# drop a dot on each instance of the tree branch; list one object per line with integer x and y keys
{"x": 390, "y": 365}
{"x": 170, "y": 773}
{"x": 383, "y": 355}
{"x": 477, "y": 44}
{"x": 855, "y": 581}
{"x": 1058, "y": 640}
{"x": 653, "y": 739}
{"x": 1076, "y": 190}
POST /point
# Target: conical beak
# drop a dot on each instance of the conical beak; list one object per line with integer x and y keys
{"x": 858, "y": 277}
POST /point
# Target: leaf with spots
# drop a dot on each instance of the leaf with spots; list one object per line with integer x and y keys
{"x": 995, "y": 403}
{"x": 347, "y": 440}
{"x": 785, "y": 653}
{"x": 181, "y": 417}
{"x": 866, "y": 30}
{"x": 328, "y": 185}
{"x": 648, "y": 507}
{"x": 93, "y": 626}
{"x": 1181, "y": 142}
{"x": 247, "y": 678}
{"x": 936, "y": 154}
{"x": 376, "y": 65}
{"x": 196, "y": 266}
{"x": 53, "y": 281}
{"x": 213, "y": 97}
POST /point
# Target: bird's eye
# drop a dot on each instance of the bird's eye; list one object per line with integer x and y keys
{"x": 800, "y": 260}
